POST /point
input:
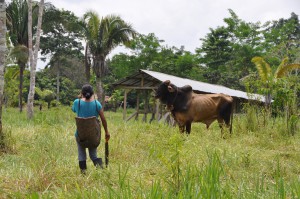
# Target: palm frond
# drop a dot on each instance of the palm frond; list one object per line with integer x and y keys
{"x": 12, "y": 72}
{"x": 284, "y": 68}
{"x": 264, "y": 69}
{"x": 20, "y": 53}
{"x": 92, "y": 21}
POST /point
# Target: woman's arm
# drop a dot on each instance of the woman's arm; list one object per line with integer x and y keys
{"x": 104, "y": 123}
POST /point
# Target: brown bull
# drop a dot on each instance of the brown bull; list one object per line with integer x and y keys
{"x": 187, "y": 107}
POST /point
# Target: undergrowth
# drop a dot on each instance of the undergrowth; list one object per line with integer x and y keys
{"x": 259, "y": 160}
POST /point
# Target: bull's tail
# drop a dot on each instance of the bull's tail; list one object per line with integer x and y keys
{"x": 226, "y": 114}
{"x": 231, "y": 116}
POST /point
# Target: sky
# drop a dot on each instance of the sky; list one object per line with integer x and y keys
{"x": 180, "y": 22}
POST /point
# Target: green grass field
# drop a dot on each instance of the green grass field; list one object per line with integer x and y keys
{"x": 259, "y": 160}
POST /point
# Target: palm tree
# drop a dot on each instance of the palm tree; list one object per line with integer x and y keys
{"x": 17, "y": 23}
{"x": 104, "y": 35}
{"x": 2, "y": 61}
{"x": 20, "y": 54}
{"x": 90, "y": 24}
{"x": 268, "y": 77}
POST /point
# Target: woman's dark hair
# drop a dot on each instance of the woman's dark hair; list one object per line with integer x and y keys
{"x": 87, "y": 91}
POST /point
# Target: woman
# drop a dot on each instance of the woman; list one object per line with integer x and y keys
{"x": 85, "y": 107}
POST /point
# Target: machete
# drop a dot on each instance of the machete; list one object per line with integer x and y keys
{"x": 106, "y": 153}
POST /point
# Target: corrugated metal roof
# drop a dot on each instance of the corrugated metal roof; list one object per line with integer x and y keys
{"x": 134, "y": 80}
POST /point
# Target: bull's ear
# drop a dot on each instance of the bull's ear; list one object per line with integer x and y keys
{"x": 167, "y": 82}
{"x": 171, "y": 89}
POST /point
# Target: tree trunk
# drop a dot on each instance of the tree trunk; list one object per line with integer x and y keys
{"x": 57, "y": 83}
{"x": 34, "y": 56}
{"x": 87, "y": 64}
{"x": 2, "y": 61}
{"x": 99, "y": 89}
{"x": 22, "y": 68}
{"x": 99, "y": 69}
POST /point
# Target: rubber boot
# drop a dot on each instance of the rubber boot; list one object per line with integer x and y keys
{"x": 98, "y": 163}
{"x": 82, "y": 166}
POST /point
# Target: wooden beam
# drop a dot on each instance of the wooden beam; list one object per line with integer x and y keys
{"x": 132, "y": 115}
{"x": 137, "y": 87}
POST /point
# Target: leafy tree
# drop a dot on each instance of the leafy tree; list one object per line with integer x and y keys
{"x": 147, "y": 52}
{"x": 227, "y": 51}
{"x": 60, "y": 40}
{"x": 282, "y": 38}
{"x": 17, "y": 25}
{"x": 71, "y": 79}
{"x": 46, "y": 95}
{"x": 146, "y": 49}
{"x": 61, "y": 33}
{"x": 123, "y": 65}
{"x": 184, "y": 64}
{"x": 215, "y": 52}
{"x": 65, "y": 66}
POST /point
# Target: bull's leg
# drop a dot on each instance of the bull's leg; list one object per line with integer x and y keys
{"x": 188, "y": 127}
{"x": 181, "y": 128}
{"x": 224, "y": 131}
{"x": 226, "y": 114}
{"x": 221, "y": 125}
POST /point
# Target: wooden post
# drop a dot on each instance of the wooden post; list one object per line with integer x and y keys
{"x": 157, "y": 103}
{"x": 124, "y": 104}
{"x": 146, "y": 104}
{"x": 137, "y": 105}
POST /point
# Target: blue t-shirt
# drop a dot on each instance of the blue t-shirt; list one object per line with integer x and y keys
{"x": 86, "y": 109}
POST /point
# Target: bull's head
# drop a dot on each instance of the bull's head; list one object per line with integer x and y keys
{"x": 164, "y": 90}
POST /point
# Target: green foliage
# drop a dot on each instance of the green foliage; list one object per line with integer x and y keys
{"x": 61, "y": 34}
{"x": 55, "y": 103}
{"x": 11, "y": 91}
{"x": 17, "y": 23}
{"x": 227, "y": 50}
{"x": 45, "y": 95}
{"x": 280, "y": 85}
{"x": 282, "y": 38}
{"x": 264, "y": 69}
{"x": 115, "y": 99}
{"x": 11, "y": 86}
{"x": 148, "y": 52}
{"x": 20, "y": 53}
{"x": 69, "y": 88}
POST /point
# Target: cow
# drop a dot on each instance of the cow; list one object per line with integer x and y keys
{"x": 187, "y": 107}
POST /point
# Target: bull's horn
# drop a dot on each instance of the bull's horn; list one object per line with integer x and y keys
{"x": 167, "y": 82}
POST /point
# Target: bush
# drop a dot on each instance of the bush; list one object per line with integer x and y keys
{"x": 54, "y": 103}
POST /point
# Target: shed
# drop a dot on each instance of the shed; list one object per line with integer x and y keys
{"x": 146, "y": 81}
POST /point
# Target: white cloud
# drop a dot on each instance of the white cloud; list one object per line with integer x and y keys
{"x": 182, "y": 22}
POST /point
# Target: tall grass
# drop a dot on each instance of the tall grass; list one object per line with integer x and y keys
{"x": 259, "y": 160}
